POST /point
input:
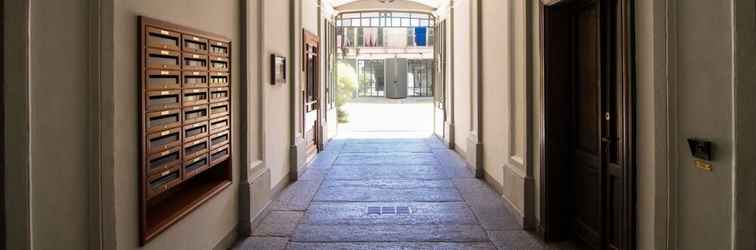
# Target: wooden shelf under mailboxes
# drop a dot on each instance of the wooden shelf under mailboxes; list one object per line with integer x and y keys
{"x": 185, "y": 122}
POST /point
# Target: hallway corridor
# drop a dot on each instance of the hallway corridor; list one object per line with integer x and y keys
{"x": 408, "y": 193}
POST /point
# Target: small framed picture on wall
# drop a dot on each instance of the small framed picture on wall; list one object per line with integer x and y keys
{"x": 278, "y": 69}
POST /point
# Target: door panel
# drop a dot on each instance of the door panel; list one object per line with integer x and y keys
{"x": 587, "y": 151}
{"x": 587, "y": 60}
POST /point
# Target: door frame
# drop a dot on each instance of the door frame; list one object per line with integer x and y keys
{"x": 552, "y": 216}
{"x": 312, "y": 40}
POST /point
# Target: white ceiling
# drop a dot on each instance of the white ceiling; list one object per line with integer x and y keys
{"x": 431, "y": 3}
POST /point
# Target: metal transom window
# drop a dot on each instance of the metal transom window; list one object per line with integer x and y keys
{"x": 384, "y": 29}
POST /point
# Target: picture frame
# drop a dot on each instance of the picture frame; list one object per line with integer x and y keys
{"x": 277, "y": 69}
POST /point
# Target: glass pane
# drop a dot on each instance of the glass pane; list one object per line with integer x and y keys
{"x": 405, "y": 22}
{"x": 414, "y": 22}
{"x": 396, "y": 22}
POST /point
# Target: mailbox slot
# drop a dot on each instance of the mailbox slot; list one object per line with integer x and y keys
{"x": 219, "y": 94}
{"x": 162, "y": 79}
{"x": 218, "y": 79}
{"x": 219, "y": 124}
{"x": 219, "y": 155}
{"x": 157, "y": 121}
{"x": 218, "y": 63}
{"x": 195, "y": 114}
{"x": 219, "y": 109}
{"x": 162, "y": 39}
{"x": 162, "y": 59}
{"x": 162, "y": 100}
{"x": 162, "y": 161}
{"x": 195, "y": 97}
{"x": 219, "y": 48}
{"x": 218, "y": 140}
{"x": 195, "y": 79}
{"x": 196, "y": 148}
{"x": 163, "y": 140}
{"x": 194, "y": 44}
{"x": 195, "y": 166}
{"x": 160, "y": 183}
{"x": 195, "y": 131}
{"x": 194, "y": 61}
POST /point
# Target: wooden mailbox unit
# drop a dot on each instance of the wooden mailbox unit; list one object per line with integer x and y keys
{"x": 185, "y": 122}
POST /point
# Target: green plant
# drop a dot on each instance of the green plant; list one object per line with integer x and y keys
{"x": 347, "y": 82}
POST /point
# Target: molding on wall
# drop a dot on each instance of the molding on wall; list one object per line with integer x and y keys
{"x": 450, "y": 96}
{"x": 17, "y": 117}
{"x": 744, "y": 54}
{"x": 296, "y": 158}
{"x": 530, "y": 196}
{"x": 449, "y": 141}
{"x": 670, "y": 127}
{"x": 101, "y": 191}
{"x": 474, "y": 155}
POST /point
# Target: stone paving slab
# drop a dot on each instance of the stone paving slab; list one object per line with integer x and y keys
{"x": 386, "y": 159}
{"x": 314, "y": 174}
{"x": 452, "y": 164}
{"x": 260, "y": 243}
{"x": 278, "y": 223}
{"x": 364, "y": 172}
{"x": 388, "y": 191}
{"x": 520, "y": 239}
{"x": 296, "y": 197}
{"x": 386, "y": 147}
{"x": 389, "y": 233}
{"x": 487, "y": 205}
{"x": 436, "y": 143}
{"x": 324, "y": 160}
{"x": 391, "y": 246}
{"x": 442, "y": 213}
{"x": 385, "y": 140}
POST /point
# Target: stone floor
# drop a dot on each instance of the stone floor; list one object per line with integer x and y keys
{"x": 391, "y": 193}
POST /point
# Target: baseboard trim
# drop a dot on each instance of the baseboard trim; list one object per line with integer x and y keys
{"x": 228, "y": 241}
{"x": 516, "y": 212}
{"x": 449, "y": 134}
{"x": 275, "y": 192}
{"x": 296, "y": 158}
{"x": 498, "y": 187}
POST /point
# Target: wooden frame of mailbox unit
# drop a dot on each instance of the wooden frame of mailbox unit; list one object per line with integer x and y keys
{"x": 180, "y": 166}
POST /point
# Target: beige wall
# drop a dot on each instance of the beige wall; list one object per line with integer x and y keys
{"x": 462, "y": 74}
{"x": 276, "y": 98}
{"x": 59, "y": 124}
{"x": 704, "y": 109}
{"x": 210, "y": 223}
{"x": 497, "y": 86}
{"x": 745, "y": 118}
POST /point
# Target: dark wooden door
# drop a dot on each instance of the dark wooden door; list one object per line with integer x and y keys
{"x": 588, "y": 158}
{"x": 311, "y": 95}
{"x": 587, "y": 151}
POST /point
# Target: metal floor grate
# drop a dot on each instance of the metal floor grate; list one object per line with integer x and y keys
{"x": 398, "y": 210}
